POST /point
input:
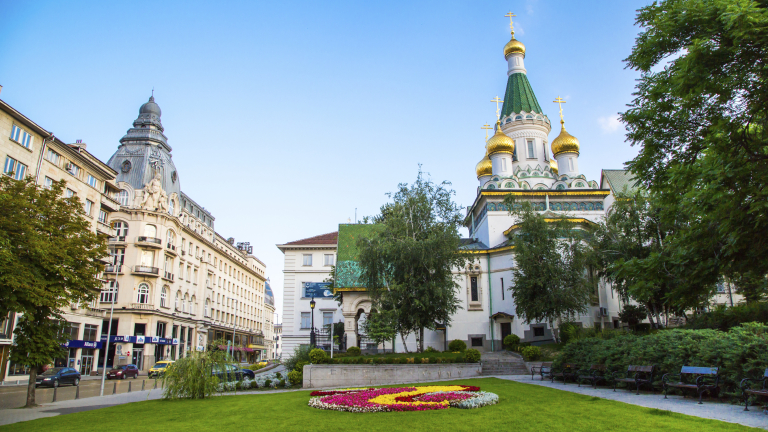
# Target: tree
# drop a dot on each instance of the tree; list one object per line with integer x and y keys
{"x": 550, "y": 276}
{"x": 632, "y": 314}
{"x": 407, "y": 267}
{"x": 702, "y": 129}
{"x": 380, "y": 326}
{"x": 49, "y": 258}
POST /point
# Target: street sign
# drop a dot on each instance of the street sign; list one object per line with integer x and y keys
{"x": 317, "y": 290}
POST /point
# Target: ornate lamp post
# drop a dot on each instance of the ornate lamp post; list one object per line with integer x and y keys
{"x": 312, "y": 335}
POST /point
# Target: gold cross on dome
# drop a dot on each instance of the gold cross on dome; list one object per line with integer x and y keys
{"x": 487, "y": 127}
{"x": 498, "y": 110}
{"x": 510, "y": 15}
{"x": 560, "y": 101}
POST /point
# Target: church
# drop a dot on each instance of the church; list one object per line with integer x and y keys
{"x": 518, "y": 159}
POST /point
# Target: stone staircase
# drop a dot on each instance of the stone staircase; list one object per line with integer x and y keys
{"x": 503, "y": 363}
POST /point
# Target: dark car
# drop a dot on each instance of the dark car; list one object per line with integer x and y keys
{"x": 232, "y": 373}
{"x": 56, "y": 376}
{"x": 123, "y": 372}
{"x": 247, "y": 373}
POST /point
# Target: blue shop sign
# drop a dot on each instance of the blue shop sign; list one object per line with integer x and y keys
{"x": 82, "y": 344}
{"x": 317, "y": 289}
{"x": 140, "y": 340}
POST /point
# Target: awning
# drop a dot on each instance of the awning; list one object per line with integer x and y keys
{"x": 498, "y": 315}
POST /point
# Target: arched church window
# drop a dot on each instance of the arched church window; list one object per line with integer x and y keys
{"x": 491, "y": 187}
{"x": 560, "y": 187}
{"x": 519, "y": 117}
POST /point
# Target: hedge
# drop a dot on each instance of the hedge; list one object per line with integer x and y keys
{"x": 741, "y": 352}
{"x": 723, "y": 318}
{"x": 470, "y": 358}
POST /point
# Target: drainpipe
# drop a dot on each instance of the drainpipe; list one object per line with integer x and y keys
{"x": 490, "y": 300}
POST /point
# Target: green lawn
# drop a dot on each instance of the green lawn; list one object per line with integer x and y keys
{"x": 522, "y": 407}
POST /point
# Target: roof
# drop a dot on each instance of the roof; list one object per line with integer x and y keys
{"x": 618, "y": 179}
{"x": 347, "y": 267}
{"x": 471, "y": 244}
{"x": 519, "y": 96}
{"x": 322, "y": 239}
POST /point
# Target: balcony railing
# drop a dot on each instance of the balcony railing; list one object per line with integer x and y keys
{"x": 143, "y": 306}
{"x": 117, "y": 239}
{"x": 146, "y": 270}
{"x": 152, "y": 241}
{"x": 168, "y": 276}
{"x": 111, "y": 268}
{"x": 104, "y": 228}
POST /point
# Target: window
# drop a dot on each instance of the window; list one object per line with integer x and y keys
{"x": 207, "y": 306}
{"x": 52, "y": 157}
{"x": 192, "y": 303}
{"x": 570, "y": 163}
{"x": 305, "y": 317}
{"x": 92, "y": 181}
{"x": 307, "y": 259}
{"x": 503, "y": 164}
{"x": 109, "y": 294}
{"x": 88, "y": 207}
{"x": 90, "y": 332}
{"x": 538, "y": 332}
{"x": 514, "y": 155}
{"x": 48, "y": 182}
{"x": 544, "y": 150}
{"x": 73, "y": 169}
{"x": 502, "y": 288}
{"x": 171, "y": 206}
{"x": 118, "y": 256}
{"x": 72, "y": 331}
{"x": 148, "y": 258}
{"x": 531, "y": 153}
{"x": 327, "y": 319}
{"x": 14, "y": 168}
{"x": 164, "y": 297}
{"x": 476, "y": 341}
{"x": 21, "y": 136}
{"x": 184, "y": 303}
{"x": 143, "y": 297}
{"x": 121, "y": 229}
{"x": 473, "y": 289}
{"x": 178, "y": 298}
{"x": 102, "y": 216}
{"x": 150, "y": 231}
{"x": 69, "y": 193}
{"x": 123, "y": 197}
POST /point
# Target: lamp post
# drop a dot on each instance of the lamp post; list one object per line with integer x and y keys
{"x": 113, "y": 297}
{"x": 234, "y": 328}
{"x": 312, "y": 335}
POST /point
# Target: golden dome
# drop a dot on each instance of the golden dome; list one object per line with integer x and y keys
{"x": 484, "y": 167}
{"x": 553, "y": 165}
{"x": 565, "y": 142}
{"x": 500, "y": 143}
{"x": 514, "y": 46}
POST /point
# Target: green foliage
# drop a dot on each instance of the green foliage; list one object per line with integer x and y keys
{"x": 300, "y": 366}
{"x": 355, "y": 351}
{"x": 381, "y": 326}
{"x": 633, "y": 314}
{"x": 318, "y": 356}
{"x": 511, "y": 341}
{"x": 701, "y": 127}
{"x": 472, "y": 355}
{"x": 430, "y": 349}
{"x": 568, "y": 332}
{"x": 741, "y": 352}
{"x": 457, "y": 345}
{"x": 724, "y": 318}
{"x": 191, "y": 377}
{"x": 550, "y": 280}
{"x": 268, "y": 383}
{"x": 531, "y": 353}
{"x": 408, "y": 266}
{"x": 300, "y": 354}
{"x": 295, "y": 377}
{"x": 281, "y": 383}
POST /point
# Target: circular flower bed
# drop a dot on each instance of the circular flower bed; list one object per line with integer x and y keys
{"x": 420, "y": 398}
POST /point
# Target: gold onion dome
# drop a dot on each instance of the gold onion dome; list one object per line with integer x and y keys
{"x": 500, "y": 143}
{"x": 484, "y": 167}
{"x": 553, "y": 165}
{"x": 565, "y": 142}
{"x": 514, "y": 46}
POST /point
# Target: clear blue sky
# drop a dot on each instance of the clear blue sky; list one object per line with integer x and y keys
{"x": 286, "y": 116}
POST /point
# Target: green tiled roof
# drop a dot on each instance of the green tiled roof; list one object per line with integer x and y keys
{"x": 618, "y": 179}
{"x": 347, "y": 267}
{"x": 519, "y": 96}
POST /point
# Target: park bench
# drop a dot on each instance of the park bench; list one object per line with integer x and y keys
{"x": 701, "y": 379}
{"x": 593, "y": 375}
{"x": 747, "y": 390}
{"x": 636, "y": 374}
{"x": 566, "y": 371}
{"x": 545, "y": 370}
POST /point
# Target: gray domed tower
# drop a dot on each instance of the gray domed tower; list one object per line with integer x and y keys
{"x": 144, "y": 152}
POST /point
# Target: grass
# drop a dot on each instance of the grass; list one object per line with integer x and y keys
{"x": 522, "y": 407}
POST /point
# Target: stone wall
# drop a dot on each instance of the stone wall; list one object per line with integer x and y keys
{"x": 320, "y": 376}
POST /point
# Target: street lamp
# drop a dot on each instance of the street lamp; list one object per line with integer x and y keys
{"x": 312, "y": 335}
{"x": 113, "y": 297}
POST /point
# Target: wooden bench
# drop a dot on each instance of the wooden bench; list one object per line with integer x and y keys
{"x": 747, "y": 391}
{"x": 636, "y": 374}
{"x": 566, "y": 371}
{"x": 701, "y": 379}
{"x": 593, "y": 375}
{"x": 545, "y": 370}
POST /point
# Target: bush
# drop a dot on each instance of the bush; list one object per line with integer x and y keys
{"x": 531, "y": 353}
{"x": 300, "y": 366}
{"x": 723, "y": 318}
{"x": 430, "y": 350}
{"x": 472, "y": 355}
{"x": 268, "y": 383}
{"x": 282, "y": 383}
{"x": 300, "y": 354}
{"x": 192, "y": 376}
{"x": 277, "y": 374}
{"x": 569, "y": 332}
{"x": 355, "y": 351}
{"x": 742, "y": 352}
{"x": 511, "y": 341}
{"x": 318, "y": 356}
{"x": 457, "y": 345}
{"x": 295, "y": 377}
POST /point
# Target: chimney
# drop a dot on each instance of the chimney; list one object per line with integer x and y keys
{"x": 1, "y": 89}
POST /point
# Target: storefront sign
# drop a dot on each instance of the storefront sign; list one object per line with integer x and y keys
{"x": 82, "y": 344}
{"x": 140, "y": 340}
{"x": 317, "y": 290}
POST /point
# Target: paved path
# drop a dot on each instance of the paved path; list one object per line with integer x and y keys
{"x": 710, "y": 409}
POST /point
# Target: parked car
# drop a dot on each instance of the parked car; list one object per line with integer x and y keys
{"x": 159, "y": 368}
{"x": 247, "y": 373}
{"x": 232, "y": 373}
{"x": 56, "y": 376}
{"x": 263, "y": 363}
{"x": 123, "y": 372}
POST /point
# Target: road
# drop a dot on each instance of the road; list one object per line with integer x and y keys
{"x": 16, "y": 396}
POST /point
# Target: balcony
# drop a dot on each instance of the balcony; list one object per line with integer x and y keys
{"x": 117, "y": 240}
{"x": 168, "y": 276}
{"x": 146, "y": 270}
{"x": 110, "y": 203}
{"x": 142, "y": 306}
{"x": 149, "y": 242}
{"x": 170, "y": 248}
{"x": 113, "y": 269}
{"x": 105, "y": 229}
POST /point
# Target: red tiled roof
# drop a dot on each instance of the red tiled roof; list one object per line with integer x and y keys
{"x": 330, "y": 238}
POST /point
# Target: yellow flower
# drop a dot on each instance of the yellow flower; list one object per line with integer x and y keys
{"x": 389, "y": 399}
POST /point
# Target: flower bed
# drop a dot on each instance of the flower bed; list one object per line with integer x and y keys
{"x": 422, "y": 398}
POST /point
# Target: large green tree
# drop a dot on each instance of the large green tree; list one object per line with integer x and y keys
{"x": 701, "y": 123}
{"x": 551, "y": 278}
{"x": 408, "y": 266}
{"x": 49, "y": 259}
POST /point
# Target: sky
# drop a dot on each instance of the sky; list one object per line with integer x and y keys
{"x": 287, "y": 118}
